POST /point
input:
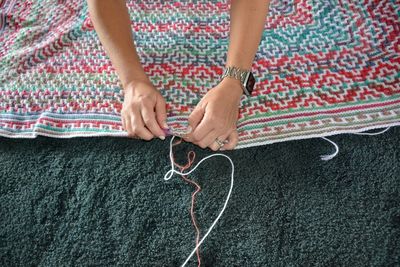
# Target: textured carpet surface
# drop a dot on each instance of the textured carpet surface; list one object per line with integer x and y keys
{"x": 103, "y": 201}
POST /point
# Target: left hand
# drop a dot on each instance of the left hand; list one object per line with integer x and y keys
{"x": 216, "y": 115}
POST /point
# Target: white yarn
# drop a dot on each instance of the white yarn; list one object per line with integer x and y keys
{"x": 171, "y": 172}
{"x": 381, "y": 132}
{"x": 329, "y": 157}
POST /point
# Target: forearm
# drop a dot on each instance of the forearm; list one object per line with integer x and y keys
{"x": 112, "y": 24}
{"x": 247, "y": 22}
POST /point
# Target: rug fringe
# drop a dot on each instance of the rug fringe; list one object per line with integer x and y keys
{"x": 331, "y": 156}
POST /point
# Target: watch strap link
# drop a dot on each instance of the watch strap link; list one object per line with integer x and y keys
{"x": 240, "y": 74}
{"x": 235, "y": 72}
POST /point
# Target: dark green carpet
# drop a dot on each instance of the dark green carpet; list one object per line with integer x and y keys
{"x": 103, "y": 201}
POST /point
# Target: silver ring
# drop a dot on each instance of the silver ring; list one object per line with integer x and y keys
{"x": 219, "y": 142}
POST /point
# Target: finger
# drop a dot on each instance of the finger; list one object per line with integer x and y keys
{"x": 128, "y": 128}
{"x": 139, "y": 129}
{"x": 208, "y": 139}
{"x": 215, "y": 146}
{"x": 149, "y": 119}
{"x": 161, "y": 112}
{"x": 194, "y": 119}
{"x": 233, "y": 139}
{"x": 203, "y": 129}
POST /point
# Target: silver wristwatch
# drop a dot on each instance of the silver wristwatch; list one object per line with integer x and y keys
{"x": 245, "y": 76}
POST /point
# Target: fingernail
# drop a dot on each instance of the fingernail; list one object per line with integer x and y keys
{"x": 222, "y": 149}
{"x": 165, "y": 125}
{"x": 189, "y": 129}
{"x": 162, "y": 137}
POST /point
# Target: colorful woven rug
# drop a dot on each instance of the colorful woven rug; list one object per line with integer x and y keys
{"x": 322, "y": 68}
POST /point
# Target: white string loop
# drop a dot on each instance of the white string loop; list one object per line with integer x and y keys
{"x": 171, "y": 172}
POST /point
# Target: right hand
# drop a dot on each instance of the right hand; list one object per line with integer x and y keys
{"x": 143, "y": 112}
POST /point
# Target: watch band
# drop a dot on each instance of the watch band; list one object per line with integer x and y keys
{"x": 244, "y": 76}
{"x": 235, "y": 72}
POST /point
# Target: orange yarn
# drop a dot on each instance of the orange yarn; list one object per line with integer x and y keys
{"x": 190, "y": 159}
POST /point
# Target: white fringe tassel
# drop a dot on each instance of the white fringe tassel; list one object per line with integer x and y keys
{"x": 329, "y": 157}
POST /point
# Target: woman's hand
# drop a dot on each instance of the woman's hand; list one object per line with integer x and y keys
{"x": 216, "y": 115}
{"x": 143, "y": 112}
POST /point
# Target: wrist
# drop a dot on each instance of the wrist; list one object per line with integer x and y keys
{"x": 132, "y": 74}
{"x": 235, "y": 85}
{"x": 133, "y": 83}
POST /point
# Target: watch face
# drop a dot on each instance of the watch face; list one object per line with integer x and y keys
{"x": 250, "y": 83}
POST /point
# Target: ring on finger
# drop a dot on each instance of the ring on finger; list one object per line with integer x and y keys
{"x": 219, "y": 142}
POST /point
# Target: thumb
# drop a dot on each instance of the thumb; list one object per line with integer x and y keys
{"x": 195, "y": 117}
{"x": 161, "y": 112}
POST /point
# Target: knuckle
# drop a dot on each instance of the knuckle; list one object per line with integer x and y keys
{"x": 141, "y": 132}
{"x": 212, "y": 119}
{"x": 195, "y": 138}
{"x": 136, "y": 104}
{"x": 147, "y": 121}
{"x": 144, "y": 98}
{"x": 221, "y": 132}
{"x": 202, "y": 145}
{"x": 147, "y": 137}
{"x": 134, "y": 130}
{"x": 213, "y": 148}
